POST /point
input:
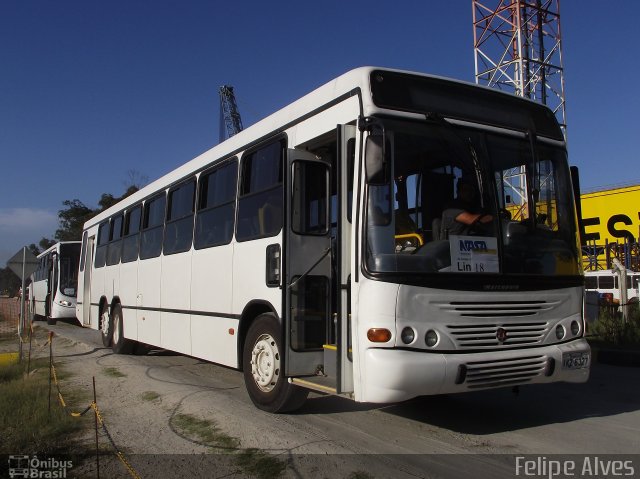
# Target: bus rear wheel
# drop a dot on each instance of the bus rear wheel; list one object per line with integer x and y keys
{"x": 121, "y": 345}
{"x": 264, "y": 376}
{"x": 106, "y": 326}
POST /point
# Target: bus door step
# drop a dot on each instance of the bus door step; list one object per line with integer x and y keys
{"x": 316, "y": 383}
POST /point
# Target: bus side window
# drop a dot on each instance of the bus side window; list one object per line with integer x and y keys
{"x": 260, "y": 203}
{"x": 131, "y": 234}
{"x": 591, "y": 282}
{"x": 83, "y": 251}
{"x": 179, "y": 230}
{"x": 606, "y": 282}
{"x": 152, "y": 227}
{"x": 101, "y": 249}
{"x": 114, "y": 247}
{"x": 216, "y": 206}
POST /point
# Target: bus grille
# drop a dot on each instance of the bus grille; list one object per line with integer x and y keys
{"x": 504, "y": 372}
{"x": 516, "y": 320}
{"x": 486, "y": 335}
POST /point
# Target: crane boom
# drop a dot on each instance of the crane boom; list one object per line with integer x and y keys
{"x": 229, "y": 114}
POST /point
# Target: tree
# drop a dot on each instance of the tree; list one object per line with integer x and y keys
{"x": 9, "y": 282}
{"x": 75, "y": 213}
{"x": 45, "y": 243}
{"x": 34, "y": 249}
{"x": 72, "y": 219}
{"x": 135, "y": 179}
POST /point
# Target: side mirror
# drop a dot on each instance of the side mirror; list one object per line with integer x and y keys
{"x": 375, "y": 160}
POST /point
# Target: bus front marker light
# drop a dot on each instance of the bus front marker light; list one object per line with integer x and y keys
{"x": 431, "y": 338}
{"x": 378, "y": 335}
{"x": 560, "y": 331}
{"x": 407, "y": 335}
{"x": 575, "y": 327}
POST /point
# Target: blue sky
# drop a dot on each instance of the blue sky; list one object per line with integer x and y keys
{"x": 92, "y": 89}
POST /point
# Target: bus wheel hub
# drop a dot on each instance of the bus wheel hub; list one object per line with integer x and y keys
{"x": 265, "y": 363}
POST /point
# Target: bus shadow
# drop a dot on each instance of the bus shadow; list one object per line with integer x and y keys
{"x": 609, "y": 391}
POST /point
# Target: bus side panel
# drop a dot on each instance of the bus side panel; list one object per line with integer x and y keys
{"x": 249, "y": 275}
{"x": 111, "y": 281}
{"x": 175, "y": 295}
{"x": 211, "y": 280}
{"x": 128, "y": 292}
{"x": 149, "y": 275}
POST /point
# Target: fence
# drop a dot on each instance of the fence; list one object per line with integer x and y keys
{"x": 9, "y": 315}
{"x": 30, "y": 343}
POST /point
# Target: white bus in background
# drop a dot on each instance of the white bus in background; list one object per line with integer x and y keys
{"x": 54, "y": 283}
{"x": 308, "y": 251}
{"x": 606, "y": 282}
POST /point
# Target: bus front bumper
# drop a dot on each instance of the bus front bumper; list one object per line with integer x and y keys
{"x": 62, "y": 312}
{"x": 393, "y": 375}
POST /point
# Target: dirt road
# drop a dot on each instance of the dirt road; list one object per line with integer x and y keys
{"x": 475, "y": 435}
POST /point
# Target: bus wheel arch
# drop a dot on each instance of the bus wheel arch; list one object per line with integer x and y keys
{"x": 250, "y": 313}
{"x": 263, "y": 358}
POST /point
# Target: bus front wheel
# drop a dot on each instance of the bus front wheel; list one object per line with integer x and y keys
{"x": 264, "y": 376}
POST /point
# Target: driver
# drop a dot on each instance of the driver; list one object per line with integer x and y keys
{"x": 463, "y": 214}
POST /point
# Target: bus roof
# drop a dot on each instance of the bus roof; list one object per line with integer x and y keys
{"x": 348, "y": 84}
{"x": 56, "y": 246}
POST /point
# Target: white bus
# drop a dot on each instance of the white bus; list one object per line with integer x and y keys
{"x": 606, "y": 282}
{"x": 307, "y": 250}
{"x": 52, "y": 292}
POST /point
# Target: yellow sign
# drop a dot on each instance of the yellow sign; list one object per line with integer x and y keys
{"x": 611, "y": 215}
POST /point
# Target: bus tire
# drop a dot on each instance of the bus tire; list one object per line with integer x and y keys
{"x": 106, "y": 326}
{"x": 121, "y": 345}
{"x": 264, "y": 377}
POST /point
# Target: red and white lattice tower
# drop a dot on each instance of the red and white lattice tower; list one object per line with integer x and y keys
{"x": 517, "y": 47}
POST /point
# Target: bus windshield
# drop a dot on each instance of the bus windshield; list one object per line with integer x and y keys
{"x": 458, "y": 200}
{"x": 69, "y": 261}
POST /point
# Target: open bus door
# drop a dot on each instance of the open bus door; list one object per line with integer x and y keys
{"x": 317, "y": 326}
{"x": 307, "y": 263}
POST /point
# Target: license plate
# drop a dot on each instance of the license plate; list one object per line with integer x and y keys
{"x": 575, "y": 360}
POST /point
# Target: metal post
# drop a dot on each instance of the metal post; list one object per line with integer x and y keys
{"x": 50, "y": 370}
{"x": 96, "y": 423}
{"x": 21, "y": 321}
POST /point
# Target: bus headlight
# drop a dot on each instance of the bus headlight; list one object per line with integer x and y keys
{"x": 559, "y": 331}
{"x": 575, "y": 327}
{"x": 407, "y": 335}
{"x": 66, "y": 303}
{"x": 431, "y": 338}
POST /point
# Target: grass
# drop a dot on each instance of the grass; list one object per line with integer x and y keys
{"x": 26, "y": 424}
{"x": 253, "y": 462}
{"x": 149, "y": 396}
{"x": 114, "y": 373}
